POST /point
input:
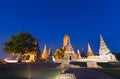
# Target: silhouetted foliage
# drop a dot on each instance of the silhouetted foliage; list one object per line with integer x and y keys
{"x": 20, "y": 44}
{"x": 59, "y": 53}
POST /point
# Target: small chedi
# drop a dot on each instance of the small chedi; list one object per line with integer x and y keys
{"x": 83, "y": 54}
{"x": 69, "y": 54}
{"x": 45, "y": 53}
{"x": 90, "y": 52}
{"x": 78, "y": 54}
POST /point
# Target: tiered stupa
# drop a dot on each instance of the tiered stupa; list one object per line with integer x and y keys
{"x": 68, "y": 49}
{"x": 90, "y": 52}
{"x": 45, "y": 54}
{"x": 103, "y": 47}
{"x": 83, "y": 53}
{"x": 50, "y": 56}
{"x": 78, "y": 54}
{"x": 104, "y": 52}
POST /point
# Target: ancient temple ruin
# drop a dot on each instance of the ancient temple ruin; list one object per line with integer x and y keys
{"x": 104, "y": 52}
{"x": 68, "y": 49}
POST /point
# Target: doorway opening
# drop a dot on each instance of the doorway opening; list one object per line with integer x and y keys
{"x": 70, "y": 58}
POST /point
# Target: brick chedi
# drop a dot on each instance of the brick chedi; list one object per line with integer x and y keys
{"x": 90, "y": 52}
{"x": 45, "y": 54}
{"x": 78, "y": 54}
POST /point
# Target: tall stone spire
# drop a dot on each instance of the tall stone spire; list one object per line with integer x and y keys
{"x": 83, "y": 53}
{"x": 50, "y": 54}
{"x": 78, "y": 54}
{"x": 67, "y": 47}
{"x": 66, "y": 40}
{"x": 103, "y": 47}
{"x": 45, "y": 54}
{"x": 90, "y": 52}
{"x": 50, "y": 51}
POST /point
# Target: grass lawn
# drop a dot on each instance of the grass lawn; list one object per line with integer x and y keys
{"x": 115, "y": 72}
{"x": 28, "y": 72}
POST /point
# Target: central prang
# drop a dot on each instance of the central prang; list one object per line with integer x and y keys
{"x": 68, "y": 49}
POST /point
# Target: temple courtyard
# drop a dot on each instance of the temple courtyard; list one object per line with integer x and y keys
{"x": 51, "y": 71}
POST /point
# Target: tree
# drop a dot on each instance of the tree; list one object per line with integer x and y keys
{"x": 38, "y": 52}
{"x": 59, "y": 54}
{"x": 20, "y": 44}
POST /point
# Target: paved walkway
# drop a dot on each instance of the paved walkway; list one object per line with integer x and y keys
{"x": 85, "y": 73}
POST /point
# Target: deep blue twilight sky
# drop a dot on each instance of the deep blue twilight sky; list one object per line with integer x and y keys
{"x": 49, "y": 20}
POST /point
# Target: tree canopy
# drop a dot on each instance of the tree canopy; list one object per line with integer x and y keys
{"x": 21, "y": 43}
{"x": 59, "y": 54}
